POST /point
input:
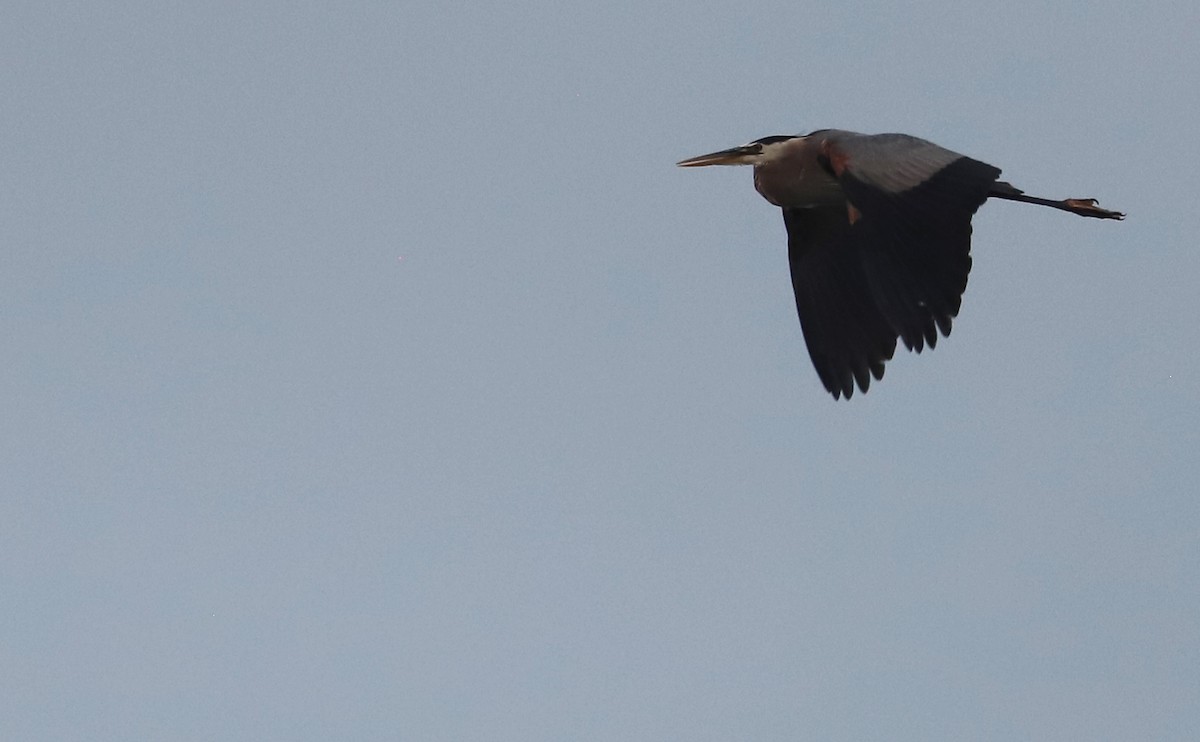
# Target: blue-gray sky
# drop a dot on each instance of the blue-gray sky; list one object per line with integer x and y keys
{"x": 372, "y": 373}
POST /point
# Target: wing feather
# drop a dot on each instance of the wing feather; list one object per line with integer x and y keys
{"x": 847, "y": 336}
{"x": 916, "y": 201}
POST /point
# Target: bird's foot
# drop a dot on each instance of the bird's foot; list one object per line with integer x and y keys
{"x": 1088, "y": 207}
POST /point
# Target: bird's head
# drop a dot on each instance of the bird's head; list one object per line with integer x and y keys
{"x": 757, "y": 152}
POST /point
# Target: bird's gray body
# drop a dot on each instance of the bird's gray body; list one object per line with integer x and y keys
{"x": 879, "y": 239}
{"x": 791, "y": 173}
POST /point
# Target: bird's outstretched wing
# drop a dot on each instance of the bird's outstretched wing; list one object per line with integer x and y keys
{"x": 847, "y": 335}
{"x": 912, "y": 206}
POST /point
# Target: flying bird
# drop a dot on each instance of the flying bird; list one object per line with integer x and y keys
{"x": 879, "y": 239}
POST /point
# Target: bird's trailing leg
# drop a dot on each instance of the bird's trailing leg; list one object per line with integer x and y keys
{"x": 1080, "y": 206}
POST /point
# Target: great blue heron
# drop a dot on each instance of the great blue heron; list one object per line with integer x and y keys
{"x": 879, "y": 238}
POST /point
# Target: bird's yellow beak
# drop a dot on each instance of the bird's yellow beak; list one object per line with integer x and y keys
{"x": 733, "y": 156}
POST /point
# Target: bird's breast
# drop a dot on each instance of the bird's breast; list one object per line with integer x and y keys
{"x": 797, "y": 185}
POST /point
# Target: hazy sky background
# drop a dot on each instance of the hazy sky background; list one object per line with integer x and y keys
{"x": 371, "y": 373}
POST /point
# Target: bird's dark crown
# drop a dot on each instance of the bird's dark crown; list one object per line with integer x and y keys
{"x": 774, "y": 139}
